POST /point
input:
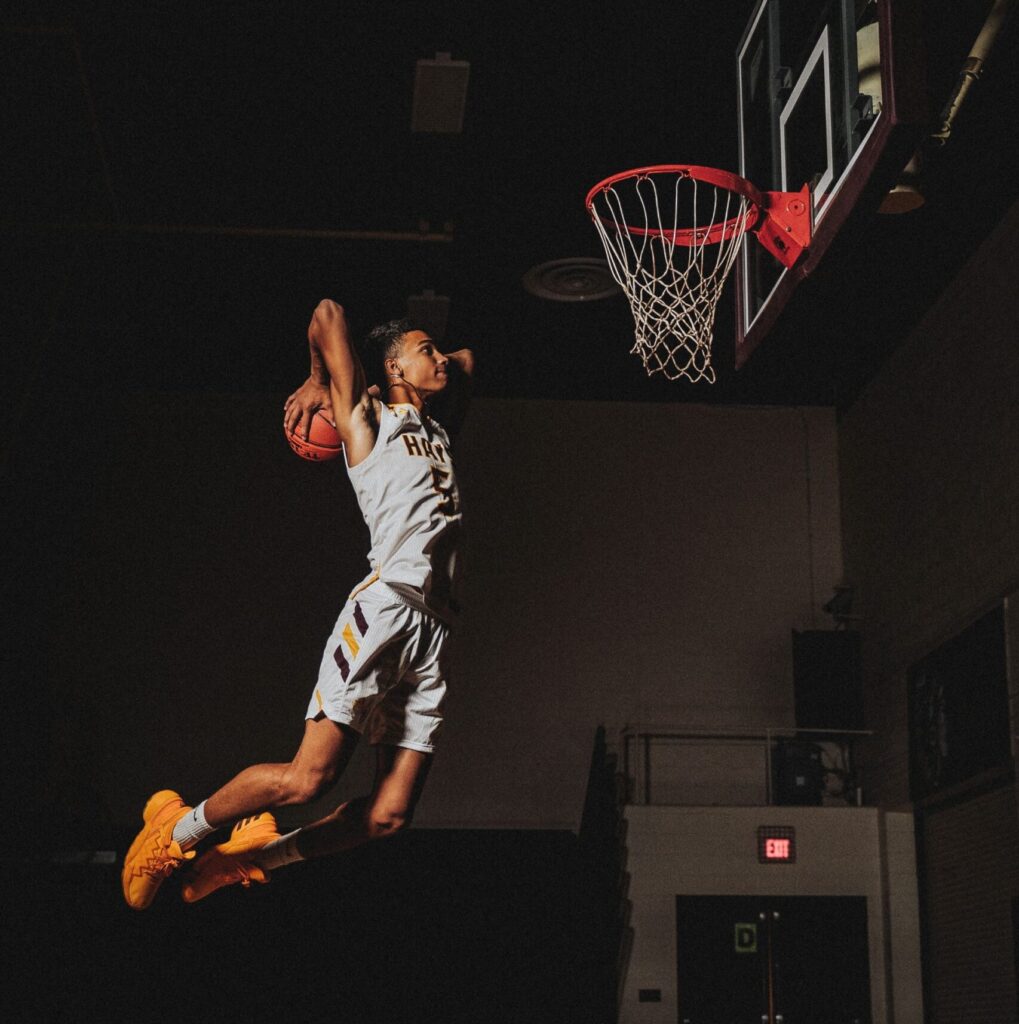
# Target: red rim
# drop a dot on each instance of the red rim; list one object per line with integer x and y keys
{"x": 688, "y": 236}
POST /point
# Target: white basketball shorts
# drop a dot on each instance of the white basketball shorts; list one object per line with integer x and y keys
{"x": 384, "y": 670}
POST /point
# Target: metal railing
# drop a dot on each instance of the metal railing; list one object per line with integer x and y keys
{"x": 638, "y": 745}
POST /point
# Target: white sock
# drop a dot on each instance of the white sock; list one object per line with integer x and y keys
{"x": 279, "y": 852}
{"x": 192, "y": 828}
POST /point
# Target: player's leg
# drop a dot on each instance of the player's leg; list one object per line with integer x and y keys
{"x": 400, "y": 776}
{"x": 362, "y": 633}
{"x": 248, "y": 856}
{"x": 171, "y": 828}
{"x": 402, "y": 727}
{"x": 384, "y": 672}
{"x": 324, "y": 752}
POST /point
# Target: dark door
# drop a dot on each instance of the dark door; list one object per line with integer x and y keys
{"x": 772, "y": 960}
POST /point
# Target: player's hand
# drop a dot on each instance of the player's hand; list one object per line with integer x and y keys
{"x": 464, "y": 359}
{"x": 300, "y": 407}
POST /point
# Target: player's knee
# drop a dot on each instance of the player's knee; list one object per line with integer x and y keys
{"x": 386, "y": 821}
{"x": 303, "y": 787}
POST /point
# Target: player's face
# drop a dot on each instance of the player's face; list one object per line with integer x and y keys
{"x": 421, "y": 363}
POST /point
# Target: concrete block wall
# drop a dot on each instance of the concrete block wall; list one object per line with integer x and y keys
{"x": 929, "y": 470}
{"x": 929, "y": 461}
{"x": 627, "y": 564}
{"x": 674, "y": 851}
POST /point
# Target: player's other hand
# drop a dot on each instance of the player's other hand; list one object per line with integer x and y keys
{"x": 300, "y": 407}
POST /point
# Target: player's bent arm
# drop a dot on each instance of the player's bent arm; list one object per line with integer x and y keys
{"x": 452, "y": 408}
{"x": 318, "y": 372}
{"x": 354, "y": 406}
{"x": 311, "y": 397}
{"x": 335, "y": 382}
{"x": 329, "y": 337}
{"x": 464, "y": 358}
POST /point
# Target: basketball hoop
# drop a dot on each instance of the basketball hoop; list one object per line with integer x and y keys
{"x": 673, "y": 264}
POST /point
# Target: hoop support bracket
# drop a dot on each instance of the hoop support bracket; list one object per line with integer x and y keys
{"x": 785, "y": 231}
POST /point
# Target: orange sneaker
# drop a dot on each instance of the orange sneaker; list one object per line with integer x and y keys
{"x": 227, "y": 863}
{"x": 153, "y": 854}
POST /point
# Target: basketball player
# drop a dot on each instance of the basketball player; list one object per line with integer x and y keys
{"x": 383, "y": 672}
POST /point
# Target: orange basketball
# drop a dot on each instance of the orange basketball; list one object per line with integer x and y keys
{"x": 323, "y": 441}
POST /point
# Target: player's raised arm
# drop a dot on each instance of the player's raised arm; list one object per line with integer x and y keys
{"x": 464, "y": 358}
{"x": 451, "y": 406}
{"x": 336, "y": 381}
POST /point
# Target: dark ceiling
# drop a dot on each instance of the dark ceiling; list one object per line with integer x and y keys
{"x": 293, "y": 116}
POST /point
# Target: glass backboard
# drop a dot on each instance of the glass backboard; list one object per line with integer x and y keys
{"x": 815, "y": 106}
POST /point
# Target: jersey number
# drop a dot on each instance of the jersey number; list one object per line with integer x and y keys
{"x": 447, "y": 504}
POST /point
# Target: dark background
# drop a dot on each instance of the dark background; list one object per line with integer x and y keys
{"x": 265, "y": 117}
{"x": 118, "y": 118}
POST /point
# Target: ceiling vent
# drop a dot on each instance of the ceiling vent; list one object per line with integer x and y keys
{"x": 576, "y": 279}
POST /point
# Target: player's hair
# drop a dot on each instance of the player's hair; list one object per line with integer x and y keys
{"x": 382, "y": 343}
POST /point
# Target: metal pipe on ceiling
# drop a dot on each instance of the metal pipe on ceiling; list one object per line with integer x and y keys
{"x": 907, "y": 194}
{"x": 972, "y": 67}
{"x": 228, "y": 231}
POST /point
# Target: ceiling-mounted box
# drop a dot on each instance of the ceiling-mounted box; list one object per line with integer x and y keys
{"x": 440, "y": 95}
{"x": 429, "y": 312}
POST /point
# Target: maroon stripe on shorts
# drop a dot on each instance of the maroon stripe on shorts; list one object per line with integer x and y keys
{"x": 341, "y": 661}
{"x": 362, "y": 622}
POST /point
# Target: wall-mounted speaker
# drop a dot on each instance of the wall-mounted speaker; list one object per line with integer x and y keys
{"x": 826, "y": 679}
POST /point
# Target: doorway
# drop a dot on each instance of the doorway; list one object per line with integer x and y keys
{"x": 772, "y": 960}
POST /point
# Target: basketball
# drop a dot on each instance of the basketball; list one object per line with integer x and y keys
{"x": 323, "y": 441}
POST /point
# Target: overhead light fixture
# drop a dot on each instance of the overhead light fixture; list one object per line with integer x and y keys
{"x": 905, "y": 195}
{"x": 440, "y": 95}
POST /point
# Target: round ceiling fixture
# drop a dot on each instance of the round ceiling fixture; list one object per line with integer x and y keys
{"x": 576, "y": 279}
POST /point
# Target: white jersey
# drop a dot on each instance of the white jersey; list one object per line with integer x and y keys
{"x": 408, "y": 494}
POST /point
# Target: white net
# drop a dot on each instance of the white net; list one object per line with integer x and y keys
{"x": 670, "y": 246}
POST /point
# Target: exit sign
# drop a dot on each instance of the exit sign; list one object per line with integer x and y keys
{"x": 776, "y": 844}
